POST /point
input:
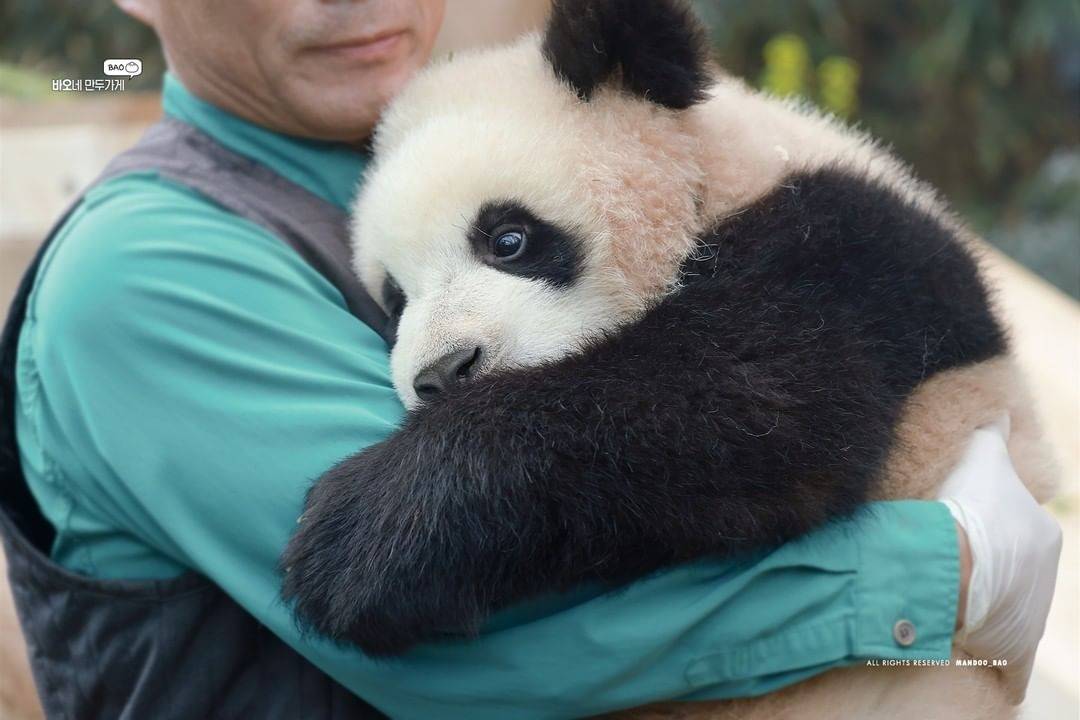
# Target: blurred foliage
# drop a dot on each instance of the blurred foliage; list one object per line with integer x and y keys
{"x": 787, "y": 65}
{"x": 838, "y": 85}
{"x": 18, "y": 82}
{"x": 72, "y": 38}
{"x": 982, "y": 97}
{"x": 833, "y": 85}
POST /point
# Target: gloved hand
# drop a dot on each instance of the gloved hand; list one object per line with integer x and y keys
{"x": 1015, "y": 545}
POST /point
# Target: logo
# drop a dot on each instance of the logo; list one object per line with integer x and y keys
{"x": 124, "y": 67}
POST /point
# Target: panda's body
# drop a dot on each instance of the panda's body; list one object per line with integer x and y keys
{"x": 724, "y": 320}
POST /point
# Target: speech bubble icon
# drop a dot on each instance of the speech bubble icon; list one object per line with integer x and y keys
{"x": 124, "y": 67}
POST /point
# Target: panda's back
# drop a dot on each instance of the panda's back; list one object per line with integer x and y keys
{"x": 848, "y": 259}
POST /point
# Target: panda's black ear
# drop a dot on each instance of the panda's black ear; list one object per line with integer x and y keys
{"x": 655, "y": 48}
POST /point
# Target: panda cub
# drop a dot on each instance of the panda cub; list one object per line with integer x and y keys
{"x": 643, "y": 314}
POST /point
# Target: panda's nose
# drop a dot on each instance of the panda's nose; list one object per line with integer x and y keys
{"x": 448, "y": 371}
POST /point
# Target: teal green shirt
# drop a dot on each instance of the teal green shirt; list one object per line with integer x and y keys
{"x": 183, "y": 376}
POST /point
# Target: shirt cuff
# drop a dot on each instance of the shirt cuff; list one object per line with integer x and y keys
{"x": 907, "y": 584}
{"x": 881, "y": 585}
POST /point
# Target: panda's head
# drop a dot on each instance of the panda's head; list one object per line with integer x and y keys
{"x": 526, "y": 198}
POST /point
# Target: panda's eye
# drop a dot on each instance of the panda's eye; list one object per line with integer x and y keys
{"x": 508, "y": 243}
{"x": 393, "y": 297}
{"x": 394, "y": 303}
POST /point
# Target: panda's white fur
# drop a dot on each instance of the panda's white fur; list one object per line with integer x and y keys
{"x": 640, "y": 182}
{"x": 618, "y": 172}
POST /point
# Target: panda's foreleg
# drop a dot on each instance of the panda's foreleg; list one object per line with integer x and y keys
{"x": 670, "y": 440}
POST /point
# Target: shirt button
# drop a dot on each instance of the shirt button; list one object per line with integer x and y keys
{"x": 903, "y": 633}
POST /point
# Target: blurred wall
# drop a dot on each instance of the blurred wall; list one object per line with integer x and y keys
{"x": 476, "y": 23}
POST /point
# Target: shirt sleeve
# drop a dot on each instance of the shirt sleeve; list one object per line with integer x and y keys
{"x": 195, "y": 376}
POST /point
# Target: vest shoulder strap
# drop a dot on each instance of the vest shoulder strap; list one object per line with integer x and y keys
{"x": 315, "y": 228}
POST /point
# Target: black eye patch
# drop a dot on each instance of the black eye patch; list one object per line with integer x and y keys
{"x": 507, "y": 236}
{"x": 394, "y": 302}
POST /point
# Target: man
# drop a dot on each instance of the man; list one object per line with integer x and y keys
{"x": 188, "y": 361}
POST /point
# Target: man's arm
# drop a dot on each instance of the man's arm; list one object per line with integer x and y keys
{"x": 196, "y": 376}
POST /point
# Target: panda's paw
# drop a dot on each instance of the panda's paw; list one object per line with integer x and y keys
{"x": 368, "y": 566}
{"x": 389, "y": 623}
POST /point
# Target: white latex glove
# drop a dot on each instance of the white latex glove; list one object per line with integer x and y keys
{"x": 1015, "y": 545}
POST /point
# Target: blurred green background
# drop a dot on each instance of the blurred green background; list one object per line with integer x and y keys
{"x": 982, "y": 97}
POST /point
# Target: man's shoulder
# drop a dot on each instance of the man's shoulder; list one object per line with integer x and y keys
{"x": 124, "y": 215}
{"x": 133, "y": 236}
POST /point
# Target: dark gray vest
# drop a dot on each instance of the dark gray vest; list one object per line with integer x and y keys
{"x": 176, "y": 648}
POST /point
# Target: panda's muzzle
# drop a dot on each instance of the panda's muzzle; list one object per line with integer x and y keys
{"x": 452, "y": 369}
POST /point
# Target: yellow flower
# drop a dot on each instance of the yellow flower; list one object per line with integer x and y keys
{"x": 838, "y": 85}
{"x": 787, "y": 65}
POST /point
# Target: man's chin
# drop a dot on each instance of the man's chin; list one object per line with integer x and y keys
{"x": 343, "y": 107}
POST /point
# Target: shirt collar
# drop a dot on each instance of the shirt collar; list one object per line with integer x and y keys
{"x": 329, "y": 170}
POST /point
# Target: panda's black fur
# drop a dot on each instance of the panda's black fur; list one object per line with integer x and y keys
{"x": 658, "y": 49}
{"x": 754, "y": 403}
{"x": 552, "y": 254}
